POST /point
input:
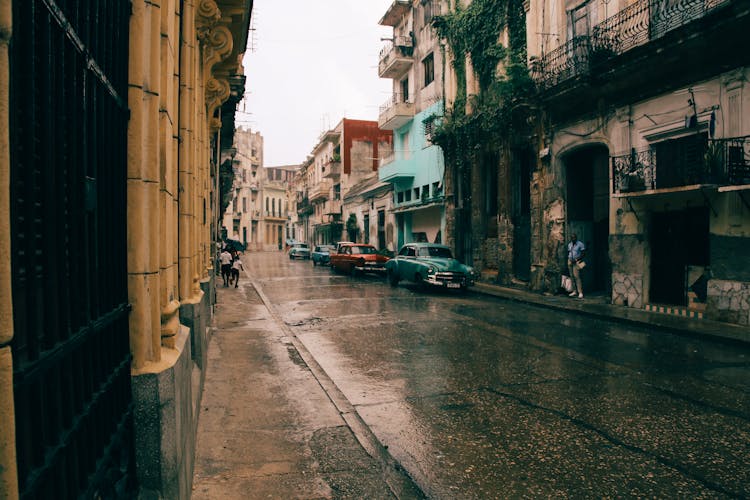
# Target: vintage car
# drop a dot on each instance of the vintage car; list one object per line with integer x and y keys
{"x": 355, "y": 258}
{"x": 429, "y": 264}
{"x": 299, "y": 251}
{"x": 321, "y": 254}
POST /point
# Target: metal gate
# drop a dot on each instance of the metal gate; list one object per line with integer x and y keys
{"x": 69, "y": 61}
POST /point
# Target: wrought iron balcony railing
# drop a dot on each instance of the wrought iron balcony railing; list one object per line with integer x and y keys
{"x": 634, "y": 172}
{"x": 731, "y": 159}
{"x": 647, "y": 20}
{"x": 637, "y": 24}
{"x": 688, "y": 161}
{"x": 568, "y": 60}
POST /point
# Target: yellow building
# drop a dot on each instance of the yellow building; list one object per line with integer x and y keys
{"x": 111, "y": 117}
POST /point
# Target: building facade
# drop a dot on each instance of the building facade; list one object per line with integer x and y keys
{"x": 646, "y": 138}
{"x": 109, "y": 199}
{"x": 344, "y": 161}
{"x": 414, "y": 61}
{"x": 243, "y": 215}
{"x": 276, "y": 210}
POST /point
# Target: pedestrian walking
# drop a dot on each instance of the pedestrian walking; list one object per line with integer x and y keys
{"x": 226, "y": 265}
{"x": 576, "y": 252}
{"x": 236, "y": 268}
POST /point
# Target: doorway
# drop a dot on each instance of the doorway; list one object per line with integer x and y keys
{"x": 678, "y": 239}
{"x": 588, "y": 212}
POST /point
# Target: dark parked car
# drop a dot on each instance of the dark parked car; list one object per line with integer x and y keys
{"x": 321, "y": 255}
{"x": 429, "y": 264}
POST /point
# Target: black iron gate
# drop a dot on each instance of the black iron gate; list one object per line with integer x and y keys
{"x": 69, "y": 62}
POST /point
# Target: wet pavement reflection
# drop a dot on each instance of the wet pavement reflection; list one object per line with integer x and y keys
{"x": 483, "y": 398}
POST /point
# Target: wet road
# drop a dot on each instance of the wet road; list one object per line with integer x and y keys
{"x": 483, "y": 398}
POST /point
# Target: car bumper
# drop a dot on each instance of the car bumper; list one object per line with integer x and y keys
{"x": 371, "y": 268}
{"x": 446, "y": 280}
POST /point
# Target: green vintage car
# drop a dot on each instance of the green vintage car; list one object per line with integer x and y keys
{"x": 429, "y": 264}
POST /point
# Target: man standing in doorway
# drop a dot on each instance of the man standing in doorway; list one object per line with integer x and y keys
{"x": 576, "y": 251}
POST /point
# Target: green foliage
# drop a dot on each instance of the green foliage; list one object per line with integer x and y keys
{"x": 502, "y": 107}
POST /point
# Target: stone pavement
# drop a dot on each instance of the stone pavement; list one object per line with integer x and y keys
{"x": 272, "y": 425}
{"x": 597, "y": 307}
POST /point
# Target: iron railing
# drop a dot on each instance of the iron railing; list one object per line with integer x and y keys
{"x": 71, "y": 353}
{"x": 636, "y": 24}
{"x": 566, "y": 61}
{"x": 647, "y": 20}
{"x": 394, "y": 99}
{"x": 634, "y": 172}
{"x": 730, "y": 158}
{"x": 683, "y": 162}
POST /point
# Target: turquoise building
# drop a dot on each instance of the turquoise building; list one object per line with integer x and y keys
{"x": 416, "y": 169}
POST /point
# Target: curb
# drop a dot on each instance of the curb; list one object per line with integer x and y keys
{"x": 699, "y": 328}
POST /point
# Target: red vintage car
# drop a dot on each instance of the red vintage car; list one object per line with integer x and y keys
{"x": 354, "y": 258}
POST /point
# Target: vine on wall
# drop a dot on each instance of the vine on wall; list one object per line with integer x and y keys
{"x": 502, "y": 108}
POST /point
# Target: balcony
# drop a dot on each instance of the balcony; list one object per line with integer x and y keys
{"x": 392, "y": 170}
{"x": 642, "y": 23}
{"x": 333, "y": 210}
{"x": 333, "y": 170}
{"x": 320, "y": 192}
{"x": 395, "y": 13}
{"x": 304, "y": 207}
{"x": 395, "y": 113}
{"x": 690, "y": 161}
{"x": 396, "y": 58}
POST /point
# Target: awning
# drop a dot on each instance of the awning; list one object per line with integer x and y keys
{"x": 414, "y": 208}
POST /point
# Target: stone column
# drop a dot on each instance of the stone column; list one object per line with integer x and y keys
{"x": 143, "y": 185}
{"x": 186, "y": 148}
{"x": 169, "y": 143}
{"x": 8, "y": 473}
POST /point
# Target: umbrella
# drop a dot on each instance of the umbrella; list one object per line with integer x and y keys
{"x": 235, "y": 245}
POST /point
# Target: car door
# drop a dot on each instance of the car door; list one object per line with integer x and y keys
{"x": 407, "y": 264}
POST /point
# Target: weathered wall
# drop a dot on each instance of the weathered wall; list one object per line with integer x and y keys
{"x": 8, "y": 479}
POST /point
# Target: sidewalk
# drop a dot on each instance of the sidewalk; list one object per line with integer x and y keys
{"x": 272, "y": 425}
{"x": 676, "y": 324}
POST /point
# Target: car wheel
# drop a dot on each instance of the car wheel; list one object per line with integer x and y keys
{"x": 291, "y": 258}
{"x": 421, "y": 284}
{"x": 314, "y": 263}
{"x": 333, "y": 268}
{"x": 392, "y": 278}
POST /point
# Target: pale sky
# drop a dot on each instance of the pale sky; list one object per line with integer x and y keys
{"x": 314, "y": 63}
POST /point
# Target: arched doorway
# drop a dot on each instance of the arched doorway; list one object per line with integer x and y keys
{"x": 587, "y": 195}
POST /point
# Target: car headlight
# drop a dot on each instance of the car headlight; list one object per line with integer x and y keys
{"x": 431, "y": 270}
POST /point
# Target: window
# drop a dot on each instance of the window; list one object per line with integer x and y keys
{"x": 428, "y": 66}
{"x": 427, "y": 11}
{"x": 367, "y": 228}
{"x": 407, "y": 195}
{"x": 400, "y": 197}
{"x": 416, "y": 193}
{"x": 244, "y": 204}
{"x": 405, "y": 90}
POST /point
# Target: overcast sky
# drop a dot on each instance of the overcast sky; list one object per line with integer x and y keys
{"x": 314, "y": 63}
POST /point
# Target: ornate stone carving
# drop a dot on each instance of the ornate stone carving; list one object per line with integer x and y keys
{"x": 217, "y": 91}
{"x": 217, "y": 47}
{"x": 207, "y": 14}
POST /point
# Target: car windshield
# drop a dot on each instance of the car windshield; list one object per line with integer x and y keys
{"x": 440, "y": 252}
{"x": 363, "y": 250}
{"x": 324, "y": 249}
{"x": 302, "y": 246}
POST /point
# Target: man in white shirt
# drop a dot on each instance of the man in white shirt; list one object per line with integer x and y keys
{"x": 226, "y": 265}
